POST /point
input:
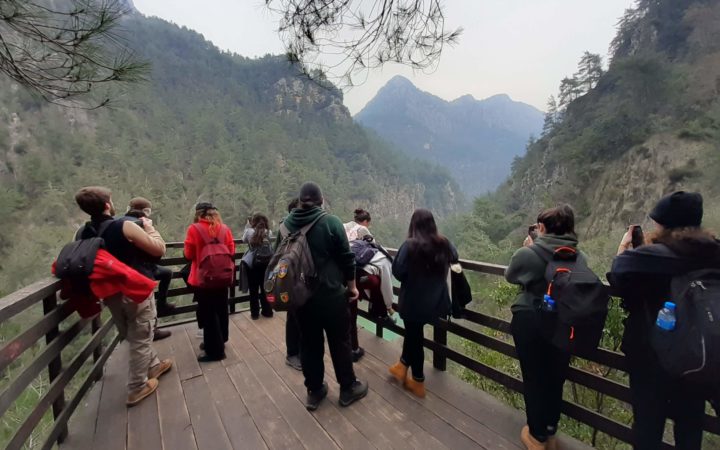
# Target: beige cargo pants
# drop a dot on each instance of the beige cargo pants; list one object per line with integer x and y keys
{"x": 135, "y": 322}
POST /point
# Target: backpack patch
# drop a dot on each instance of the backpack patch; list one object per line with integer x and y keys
{"x": 692, "y": 349}
{"x": 576, "y": 321}
{"x": 216, "y": 267}
{"x": 291, "y": 277}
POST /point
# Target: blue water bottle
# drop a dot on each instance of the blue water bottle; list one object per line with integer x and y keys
{"x": 666, "y": 317}
{"x": 548, "y": 303}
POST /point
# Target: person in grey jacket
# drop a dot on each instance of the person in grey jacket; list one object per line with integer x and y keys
{"x": 543, "y": 366}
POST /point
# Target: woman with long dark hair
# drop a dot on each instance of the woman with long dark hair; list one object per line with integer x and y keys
{"x": 212, "y": 312}
{"x": 543, "y": 365}
{"x": 643, "y": 277}
{"x": 256, "y": 260}
{"x": 421, "y": 266}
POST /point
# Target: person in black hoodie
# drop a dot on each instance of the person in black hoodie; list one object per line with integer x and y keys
{"x": 543, "y": 365}
{"x": 642, "y": 278}
{"x": 422, "y": 266}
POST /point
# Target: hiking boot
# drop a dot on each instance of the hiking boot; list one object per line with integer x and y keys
{"x": 358, "y": 390}
{"x": 160, "y": 334}
{"x": 294, "y": 362}
{"x": 399, "y": 371}
{"x": 160, "y": 368}
{"x": 529, "y": 440}
{"x": 139, "y": 394}
{"x": 552, "y": 443}
{"x": 254, "y": 316}
{"x": 267, "y": 313}
{"x": 357, "y": 354}
{"x": 417, "y": 387}
{"x": 314, "y": 398}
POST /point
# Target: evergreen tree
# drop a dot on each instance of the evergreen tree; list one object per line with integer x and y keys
{"x": 570, "y": 89}
{"x": 589, "y": 71}
{"x": 550, "y": 116}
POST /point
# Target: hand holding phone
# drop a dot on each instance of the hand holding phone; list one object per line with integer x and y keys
{"x": 638, "y": 238}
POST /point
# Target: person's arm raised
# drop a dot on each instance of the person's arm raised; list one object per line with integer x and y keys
{"x": 148, "y": 239}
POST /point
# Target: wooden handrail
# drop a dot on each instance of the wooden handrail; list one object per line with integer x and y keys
{"x": 47, "y": 326}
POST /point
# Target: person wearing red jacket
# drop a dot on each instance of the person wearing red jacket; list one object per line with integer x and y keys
{"x": 212, "y": 312}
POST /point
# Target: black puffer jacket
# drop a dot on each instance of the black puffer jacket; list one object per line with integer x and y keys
{"x": 642, "y": 278}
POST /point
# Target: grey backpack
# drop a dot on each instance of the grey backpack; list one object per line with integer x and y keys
{"x": 291, "y": 278}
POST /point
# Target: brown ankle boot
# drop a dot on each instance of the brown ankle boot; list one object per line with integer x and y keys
{"x": 529, "y": 441}
{"x": 415, "y": 386}
{"x": 552, "y": 443}
{"x": 160, "y": 368}
{"x": 139, "y": 394}
{"x": 399, "y": 371}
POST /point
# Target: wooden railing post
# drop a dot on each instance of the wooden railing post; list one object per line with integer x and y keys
{"x": 55, "y": 366}
{"x": 440, "y": 338}
{"x": 233, "y": 291}
{"x": 95, "y": 325}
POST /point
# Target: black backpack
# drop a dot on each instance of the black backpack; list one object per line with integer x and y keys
{"x": 692, "y": 350}
{"x": 263, "y": 252}
{"x": 581, "y": 301}
{"x": 77, "y": 259}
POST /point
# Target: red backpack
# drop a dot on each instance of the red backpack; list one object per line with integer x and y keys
{"x": 217, "y": 266}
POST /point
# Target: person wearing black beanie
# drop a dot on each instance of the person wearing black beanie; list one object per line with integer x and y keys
{"x": 644, "y": 278}
{"x": 326, "y": 312}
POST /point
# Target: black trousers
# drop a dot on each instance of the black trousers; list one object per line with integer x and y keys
{"x": 163, "y": 275}
{"x": 213, "y": 317}
{"x": 655, "y": 397}
{"x": 292, "y": 334}
{"x": 320, "y": 317}
{"x": 258, "y": 298}
{"x": 544, "y": 369}
{"x": 413, "y": 354}
{"x": 353, "y": 311}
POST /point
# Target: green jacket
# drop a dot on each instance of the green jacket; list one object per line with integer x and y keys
{"x": 334, "y": 261}
{"x": 527, "y": 269}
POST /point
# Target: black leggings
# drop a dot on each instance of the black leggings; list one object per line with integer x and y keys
{"x": 544, "y": 369}
{"x": 413, "y": 354}
{"x": 213, "y": 317}
{"x": 258, "y": 299}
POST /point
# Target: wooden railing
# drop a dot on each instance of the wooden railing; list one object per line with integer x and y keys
{"x": 52, "y": 328}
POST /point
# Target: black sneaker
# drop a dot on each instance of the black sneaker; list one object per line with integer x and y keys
{"x": 267, "y": 313}
{"x": 357, "y": 354}
{"x": 358, "y": 390}
{"x": 294, "y": 362}
{"x": 316, "y": 397}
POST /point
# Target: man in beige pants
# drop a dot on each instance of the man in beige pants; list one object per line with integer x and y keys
{"x": 131, "y": 244}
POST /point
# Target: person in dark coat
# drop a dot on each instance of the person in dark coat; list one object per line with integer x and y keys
{"x": 422, "y": 266}
{"x": 642, "y": 277}
{"x": 326, "y": 311}
{"x": 543, "y": 365}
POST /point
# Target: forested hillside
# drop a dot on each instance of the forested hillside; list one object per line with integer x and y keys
{"x": 619, "y": 138}
{"x": 475, "y": 139}
{"x": 207, "y": 125}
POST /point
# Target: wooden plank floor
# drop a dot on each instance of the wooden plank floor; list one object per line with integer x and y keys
{"x": 252, "y": 400}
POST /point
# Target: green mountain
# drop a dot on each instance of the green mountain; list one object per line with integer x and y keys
{"x": 648, "y": 126}
{"x": 475, "y": 139}
{"x": 208, "y": 125}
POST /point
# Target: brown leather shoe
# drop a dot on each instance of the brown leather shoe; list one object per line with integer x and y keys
{"x": 416, "y": 387}
{"x": 529, "y": 441}
{"x": 161, "y": 334}
{"x": 160, "y": 368}
{"x": 399, "y": 371}
{"x": 139, "y": 394}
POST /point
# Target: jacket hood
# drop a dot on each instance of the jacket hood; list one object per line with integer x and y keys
{"x": 551, "y": 242}
{"x": 298, "y": 218}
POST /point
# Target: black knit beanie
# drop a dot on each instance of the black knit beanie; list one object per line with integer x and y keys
{"x": 204, "y": 206}
{"x": 680, "y": 209}
{"x": 310, "y": 193}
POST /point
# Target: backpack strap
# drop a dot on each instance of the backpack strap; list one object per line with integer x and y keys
{"x": 98, "y": 233}
{"x": 205, "y": 235}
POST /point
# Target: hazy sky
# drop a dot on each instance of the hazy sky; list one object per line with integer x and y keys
{"x": 519, "y": 47}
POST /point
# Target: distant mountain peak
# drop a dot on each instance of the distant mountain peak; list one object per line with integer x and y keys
{"x": 499, "y": 98}
{"x": 467, "y": 98}
{"x": 400, "y": 81}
